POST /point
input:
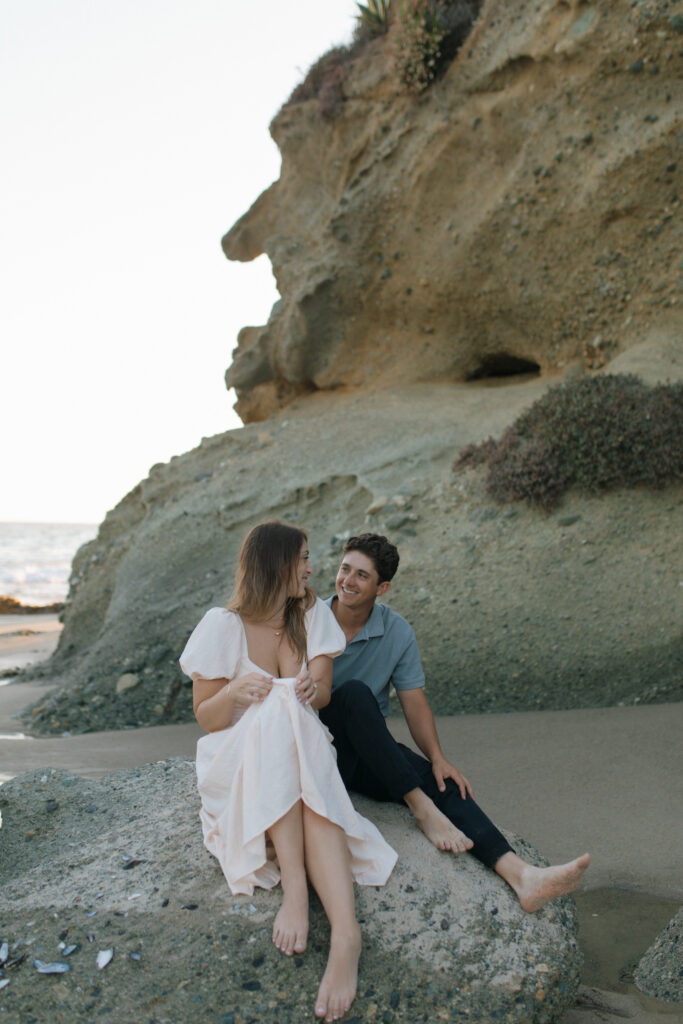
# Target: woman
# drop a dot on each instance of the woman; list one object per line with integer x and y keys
{"x": 261, "y": 669}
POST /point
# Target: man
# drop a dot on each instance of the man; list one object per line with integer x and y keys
{"x": 381, "y": 650}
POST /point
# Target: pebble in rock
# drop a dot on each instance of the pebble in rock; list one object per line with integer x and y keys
{"x": 128, "y": 681}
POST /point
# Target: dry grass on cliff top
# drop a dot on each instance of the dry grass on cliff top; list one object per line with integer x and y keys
{"x": 424, "y": 37}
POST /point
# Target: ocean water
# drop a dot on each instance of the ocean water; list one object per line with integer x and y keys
{"x": 35, "y": 559}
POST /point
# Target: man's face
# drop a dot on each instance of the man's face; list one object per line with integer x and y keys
{"x": 357, "y": 582}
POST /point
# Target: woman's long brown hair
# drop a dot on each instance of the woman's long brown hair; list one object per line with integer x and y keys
{"x": 268, "y": 559}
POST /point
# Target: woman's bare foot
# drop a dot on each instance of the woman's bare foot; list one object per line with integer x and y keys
{"x": 338, "y": 988}
{"x": 290, "y": 928}
{"x": 537, "y": 886}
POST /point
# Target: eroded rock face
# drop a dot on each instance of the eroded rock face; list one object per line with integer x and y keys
{"x": 520, "y": 213}
{"x": 513, "y": 609}
{"x": 444, "y": 933}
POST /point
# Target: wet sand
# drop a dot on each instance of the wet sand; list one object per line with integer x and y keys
{"x": 605, "y": 780}
{"x": 25, "y": 639}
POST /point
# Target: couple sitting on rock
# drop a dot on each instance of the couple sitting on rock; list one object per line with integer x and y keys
{"x": 282, "y": 680}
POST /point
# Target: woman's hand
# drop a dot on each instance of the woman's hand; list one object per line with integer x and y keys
{"x": 250, "y": 689}
{"x": 214, "y": 699}
{"x": 305, "y": 687}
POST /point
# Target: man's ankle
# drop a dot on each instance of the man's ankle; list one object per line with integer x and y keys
{"x": 417, "y": 801}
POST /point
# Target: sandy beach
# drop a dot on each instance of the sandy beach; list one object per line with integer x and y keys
{"x": 25, "y": 639}
{"x": 603, "y": 780}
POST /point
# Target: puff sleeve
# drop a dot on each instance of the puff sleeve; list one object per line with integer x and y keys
{"x": 323, "y": 632}
{"x": 214, "y": 648}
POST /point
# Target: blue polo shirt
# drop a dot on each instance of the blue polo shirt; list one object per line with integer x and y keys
{"x": 383, "y": 652}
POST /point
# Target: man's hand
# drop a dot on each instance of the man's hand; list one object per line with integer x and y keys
{"x": 443, "y": 769}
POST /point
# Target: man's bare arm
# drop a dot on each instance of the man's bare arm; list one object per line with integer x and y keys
{"x": 420, "y": 719}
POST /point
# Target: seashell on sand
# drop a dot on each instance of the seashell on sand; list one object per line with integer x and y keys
{"x": 104, "y": 957}
{"x": 57, "y": 967}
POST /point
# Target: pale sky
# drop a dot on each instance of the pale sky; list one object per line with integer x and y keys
{"x": 134, "y": 133}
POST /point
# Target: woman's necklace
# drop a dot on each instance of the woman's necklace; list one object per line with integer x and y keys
{"x": 280, "y": 626}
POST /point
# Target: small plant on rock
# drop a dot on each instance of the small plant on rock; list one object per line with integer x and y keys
{"x": 428, "y": 37}
{"x": 417, "y": 45}
{"x": 374, "y": 16}
{"x": 593, "y": 433}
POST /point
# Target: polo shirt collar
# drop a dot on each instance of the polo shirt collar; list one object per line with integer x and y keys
{"x": 373, "y": 627}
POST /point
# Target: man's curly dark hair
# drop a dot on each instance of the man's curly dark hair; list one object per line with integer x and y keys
{"x": 383, "y": 554}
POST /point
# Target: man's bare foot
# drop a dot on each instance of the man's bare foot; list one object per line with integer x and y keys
{"x": 290, "y": 928}
{"x": 338, "y": 987}
{"x": 435, "y": 825}
{"x": 537, "y": 886}
{"x": 440, "y": 831}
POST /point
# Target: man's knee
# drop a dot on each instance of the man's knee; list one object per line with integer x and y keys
{"x": 354, "y": 693}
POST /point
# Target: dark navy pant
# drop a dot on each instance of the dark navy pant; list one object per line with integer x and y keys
{"x": 371, "y": 762}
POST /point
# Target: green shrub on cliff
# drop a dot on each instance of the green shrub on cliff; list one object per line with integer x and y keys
{"x": 418, "y": 42}
{"x": 592, "y": 433}
{"x": 428, "y": 36}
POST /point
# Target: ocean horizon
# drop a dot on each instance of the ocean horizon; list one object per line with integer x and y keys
{"x": 35, "y": 559}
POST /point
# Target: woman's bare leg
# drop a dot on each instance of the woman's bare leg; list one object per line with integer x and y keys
{"x": 328, "y": 867}
{"x": 290, "y": 928}
{"x": 537, "y": 886}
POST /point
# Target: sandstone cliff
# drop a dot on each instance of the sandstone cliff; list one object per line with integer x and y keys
{"x": 520, "y": 215}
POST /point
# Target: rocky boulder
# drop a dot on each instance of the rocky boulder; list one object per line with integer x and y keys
{"x": 660, "y": 971}
{"x": 119, "y": 865}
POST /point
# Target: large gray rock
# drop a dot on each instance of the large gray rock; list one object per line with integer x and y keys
{"x": 660, "y": 971}
{"x": 445, "y": 936}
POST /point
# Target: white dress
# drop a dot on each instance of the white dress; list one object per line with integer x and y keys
{"x": 271, "y": 755}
